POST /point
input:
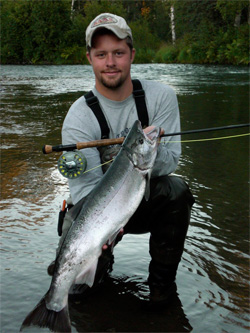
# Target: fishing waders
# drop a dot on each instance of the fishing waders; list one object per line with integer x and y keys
{"x": 166, "y": 216}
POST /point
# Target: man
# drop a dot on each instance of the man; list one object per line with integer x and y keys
{"x": 120, "y": 101}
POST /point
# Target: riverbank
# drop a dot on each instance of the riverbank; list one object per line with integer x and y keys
{"x": 197, "y": 32}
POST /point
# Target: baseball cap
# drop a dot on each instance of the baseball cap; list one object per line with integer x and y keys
{"x": 115, "y": 23}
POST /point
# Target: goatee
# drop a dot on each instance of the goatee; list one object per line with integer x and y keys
{"x": 115, "y": 84}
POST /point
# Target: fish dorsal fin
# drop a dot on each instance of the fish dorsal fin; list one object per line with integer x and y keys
{"x": 87, "y": 276}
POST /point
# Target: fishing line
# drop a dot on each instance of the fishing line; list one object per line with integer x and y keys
{"x": 208, "y": 139}
{"x": 203, "y": 130}
{"x": 98, "y": 166}
{"x": 182, "y": 141}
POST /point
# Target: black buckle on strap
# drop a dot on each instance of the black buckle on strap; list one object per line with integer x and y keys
{"x": 139, "y": 93}
{"x": 92, "y": 101}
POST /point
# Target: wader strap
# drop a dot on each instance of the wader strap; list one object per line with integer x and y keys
{"x": 93, "y": 103}
{"x": 139, "y": 96}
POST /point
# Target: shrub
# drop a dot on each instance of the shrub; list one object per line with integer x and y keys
{"x": 144, "y": 56}
{"x": 166, "y": 54}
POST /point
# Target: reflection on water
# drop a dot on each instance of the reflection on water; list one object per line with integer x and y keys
{"x": 123, "y": 310}
{"x": 213, "y": 274}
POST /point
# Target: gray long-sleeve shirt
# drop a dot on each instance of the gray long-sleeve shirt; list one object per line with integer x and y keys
{"x": 81, "y": 125}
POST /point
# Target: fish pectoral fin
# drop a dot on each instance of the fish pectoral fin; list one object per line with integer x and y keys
{"x": 88, "y": 276}
{"x": 113, "y": 237}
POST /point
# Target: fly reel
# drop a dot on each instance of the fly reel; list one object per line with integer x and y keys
{"x": 72, "y": 164}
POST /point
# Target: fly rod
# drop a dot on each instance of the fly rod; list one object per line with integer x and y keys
{"x": 47, "y": 149}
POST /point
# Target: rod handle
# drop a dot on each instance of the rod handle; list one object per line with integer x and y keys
{"x": 99, "y": 143}
{"x": 47, "y": 149}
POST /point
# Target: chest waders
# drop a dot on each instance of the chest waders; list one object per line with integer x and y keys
{"x": 165, "y": 215}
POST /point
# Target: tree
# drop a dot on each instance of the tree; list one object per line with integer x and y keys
{"x": 234, "y": 12}
{"x": 15, "y": 28}
{"x": 172, "y": 24}
{"x": 94, "y": 8}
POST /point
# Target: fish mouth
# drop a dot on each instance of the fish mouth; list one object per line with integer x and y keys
{"x": 153, "y": 135}
{"x": 141, "y": 147}
{"x": 137, "y": 136}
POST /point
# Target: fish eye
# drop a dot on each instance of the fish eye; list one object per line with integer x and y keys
{"x": 141, "y": 141}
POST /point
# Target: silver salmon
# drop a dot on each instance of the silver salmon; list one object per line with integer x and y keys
{"x": 103, "y": 214}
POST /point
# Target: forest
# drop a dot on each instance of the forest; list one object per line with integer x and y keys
{"x": 164, "y": 31}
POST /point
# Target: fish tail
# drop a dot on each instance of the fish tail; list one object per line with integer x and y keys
{"x": 43, "y": 317}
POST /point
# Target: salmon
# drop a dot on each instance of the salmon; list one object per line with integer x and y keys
{"x": 102, "y": 215}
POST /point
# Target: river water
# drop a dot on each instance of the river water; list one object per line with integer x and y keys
{"x": 213, "y": 276}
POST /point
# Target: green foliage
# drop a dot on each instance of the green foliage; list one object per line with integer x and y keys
{"x": 47, "y": 32}
{"x": 33, "y": 31}
{"x": 76, "y": 32}
{"x": 229, "y": 9}
{"x": 190, "y": 16}
{"x": 14, "y": 23}
{"x": 94, "y": 8}
{"x": 74, "y": 54}
{"x": 158, "y": 19}
{"x": 207, "y": 36}
{"x": 231, "y": 46}
{"x": 144, "y": 56}
{"x": 143, "y": 38}
{"x": 166, "y": 54}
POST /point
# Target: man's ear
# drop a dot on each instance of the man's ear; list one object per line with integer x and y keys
{"x": 89, "y": 57}
{"x": 132, "y": 55}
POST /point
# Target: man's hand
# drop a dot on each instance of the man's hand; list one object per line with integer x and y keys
{"x": 150, "y": 128}
{"x": 118, "y": 238}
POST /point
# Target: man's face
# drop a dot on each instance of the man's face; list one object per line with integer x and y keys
{"x": 111, "y": 60}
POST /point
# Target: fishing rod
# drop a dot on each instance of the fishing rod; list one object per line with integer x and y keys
{"x": 72, "y": 164}
{"x": 47, "y": 149}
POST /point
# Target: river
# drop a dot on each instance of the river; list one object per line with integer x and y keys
{"x": 213, "y": 276}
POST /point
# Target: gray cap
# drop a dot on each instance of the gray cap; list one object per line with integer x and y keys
{"x": 115, "y": 23}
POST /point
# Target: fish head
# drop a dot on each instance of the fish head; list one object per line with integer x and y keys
{"x": 140, "y": 147}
